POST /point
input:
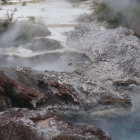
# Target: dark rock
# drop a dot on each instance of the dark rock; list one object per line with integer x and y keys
{"x": 108, "y": 100}
{"x": 46, "y": 44}
{"x": 125, "y": 83}
{"x": 59, "y": 92}
{"x": 26, "y": 88}
{"x": 15, "y": 94}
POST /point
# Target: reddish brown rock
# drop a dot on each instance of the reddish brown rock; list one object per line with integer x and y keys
{"x": 13, "y": 93}
{"x": 59, "y": 92}
{"x": 39, "y": 125}
{"x": 125, "y": 83}
{"x": 108, "y": 100}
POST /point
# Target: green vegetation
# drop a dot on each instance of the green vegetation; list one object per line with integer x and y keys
{"x": 32, "y": 19}
{"x": 4, "y": 1}
{"x": 36, "y": 20}
{"x": 105, "y": 13}
{"x": 7, "y": 20}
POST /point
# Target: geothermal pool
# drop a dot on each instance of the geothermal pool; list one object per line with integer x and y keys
{"x": 44, "y": 52}
{"x": 119, "y": 124}
{"x": 60, "y": 17}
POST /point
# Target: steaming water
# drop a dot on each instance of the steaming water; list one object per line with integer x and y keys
{"x": 60, "y": 17}
{"x": 118, "y": 123}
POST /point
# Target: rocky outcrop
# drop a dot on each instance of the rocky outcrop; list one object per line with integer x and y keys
{"x": 54, "y": 94}
{"x": 57, "y": 91}
{"x": 21, "y": 124}
{"x": 43, "y": 44}
{"x": 125, "y": 83}
{"x": 108, "y": 100}
{"x": 25, "y": 88}
{"x": 13, "y": 93}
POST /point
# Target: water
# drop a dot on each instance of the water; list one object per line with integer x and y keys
{"x": 60, "y": 17}
{"x": 44, "y": 51}
{"x": 120, "y": 125}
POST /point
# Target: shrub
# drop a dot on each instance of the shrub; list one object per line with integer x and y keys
{"x": 128, "y": 16}
{"x": 105, "y": 13}
{"x": 7, "y": 20}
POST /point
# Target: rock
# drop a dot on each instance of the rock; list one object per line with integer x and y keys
{"x": 22, "y": 124}
{"x": 46, "y": 44}
{"x": 59, "y": 93}
{"x": 15, "y": 94}
{"x": 5, "y": 102}
{"x": 108, "y": 100}
{"x": 125, "y": 83}
{"x": 26, "y": 88}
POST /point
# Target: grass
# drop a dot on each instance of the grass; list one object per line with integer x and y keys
{"x": 36, "y": 20}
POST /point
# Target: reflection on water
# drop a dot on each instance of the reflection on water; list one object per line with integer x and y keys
{"x": 122, "y": 126}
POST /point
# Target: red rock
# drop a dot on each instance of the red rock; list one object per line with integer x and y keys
{"x": 20, "y": 125}
{"x": 108, "y": 100}
{"x": 18, "y": 94}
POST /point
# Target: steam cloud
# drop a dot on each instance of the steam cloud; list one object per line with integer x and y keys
{"x": 129, "y": 11}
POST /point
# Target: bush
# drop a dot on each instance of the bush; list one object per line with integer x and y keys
{"x": 4, "y": 1}
{"x": 7, "y": 20}
{"x": 105, "y": 13}
{"x": 128, "y": 16}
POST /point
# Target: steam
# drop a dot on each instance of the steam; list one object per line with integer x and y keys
{"x": 22, "y": 32}
{"x": 129, "y": 12}
{"x": 25, "y": 44}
